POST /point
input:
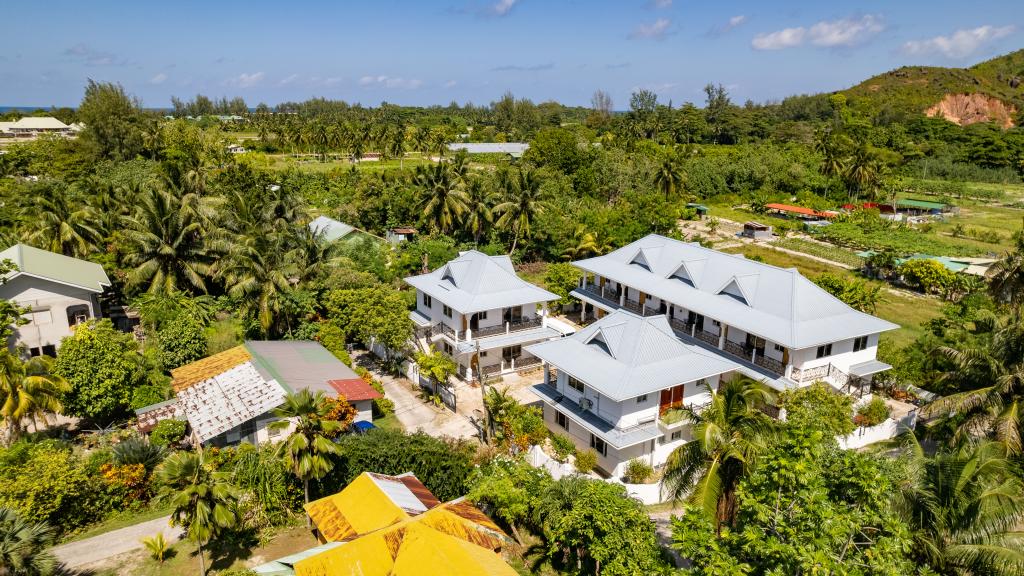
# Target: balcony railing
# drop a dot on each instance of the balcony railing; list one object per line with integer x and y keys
{"x": 634, "y": 307}
{"x": 680, "y": 326}
{"x": 707, "y": 337}
{"x": 737, "y": 349}
{"x": 770, "y": 364}
{"x": 508, "y": 327}
{"x": 601, "y": 294}
{"x": 802, "y": 375}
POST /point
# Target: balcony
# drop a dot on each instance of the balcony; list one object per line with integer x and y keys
{"x": 770, "y": 364}
{"x": 680, "y": 326}
{"x": 617, "y": 438}
{"x": 606, "y": 298}
{"x": 508, "y": 327}
{"x": 707, "y": 337}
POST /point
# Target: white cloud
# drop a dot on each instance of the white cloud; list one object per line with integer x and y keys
{"x": 786, "y": 38}
{"x": 826, "y": 34}
{"x": 662, "y": 4}
{"x": 736, "y": 21}
{"x": 450, "y": 84}
{"x": 390, "y": 82}
{"x": 246, "y": 80}
{"x": 158, "y": 79}
{"x": 959, "y": 44}
{"x": 503, "y": 7}
{"x": 93, "y": 57}
{"x": 658, "y": 29}
{"x": 288, "y": 80}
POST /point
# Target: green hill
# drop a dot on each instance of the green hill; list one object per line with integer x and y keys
{"x": 913, "y": 89}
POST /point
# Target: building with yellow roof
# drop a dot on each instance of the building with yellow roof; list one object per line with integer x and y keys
{"x": 393, "y": 525}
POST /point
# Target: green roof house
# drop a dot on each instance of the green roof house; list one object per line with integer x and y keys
{"x": 60, "y": 292}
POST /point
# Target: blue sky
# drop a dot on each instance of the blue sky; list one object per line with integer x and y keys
{"x": 433, "y": 52}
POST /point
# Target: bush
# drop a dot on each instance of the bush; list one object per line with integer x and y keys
{"x": 138, "y": 451}
{"x": 929, "y": 276}
{"x": 586, "y": 460}
{"x": 873, "y": 413}
{"x": 45, "y": 482}
{"x": 562, "y": 446}
{"x": 638, "y": 471}
{"x": 818, "y": 407}
{"x": 167, "y": 433}
{"x": 181, "y": 341}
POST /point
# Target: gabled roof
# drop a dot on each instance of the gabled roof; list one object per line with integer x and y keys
{"x": 299, "y": 364}
{"x": 514, "y": 148}
{"x": 624, "y": 355}
{"x": 355, "y": 389}
{"x": 39, "y": 123}
{"x": 56, "y": 267}
{"x": 474, "y": 282}
{"x": 330, "y": 228}
{"x": 778, "y": 304}
{"x": 369, "y": 503}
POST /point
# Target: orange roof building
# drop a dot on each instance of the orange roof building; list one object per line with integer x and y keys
{"x": 394, "y": 526}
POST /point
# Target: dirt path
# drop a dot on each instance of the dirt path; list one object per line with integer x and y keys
{"x": 114, "y": 543}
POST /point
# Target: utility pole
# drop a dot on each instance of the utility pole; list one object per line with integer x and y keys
{"x": 483, "y": 395}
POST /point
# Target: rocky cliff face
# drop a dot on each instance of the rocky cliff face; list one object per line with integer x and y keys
{"x": 964, "y": 109}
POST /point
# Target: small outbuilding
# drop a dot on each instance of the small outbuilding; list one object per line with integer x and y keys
{"x": 757, "y": 231}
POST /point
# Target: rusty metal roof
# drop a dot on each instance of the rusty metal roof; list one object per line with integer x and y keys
{"x": 191, "y": 374}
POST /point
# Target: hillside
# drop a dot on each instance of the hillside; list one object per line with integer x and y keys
{"x": 994, "y": 88}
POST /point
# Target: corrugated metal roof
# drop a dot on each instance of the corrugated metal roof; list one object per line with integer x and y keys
{"x": 56, "y": 267}
{"x": 228, "y": 399}
{"x": 923, "y": 204}
{"x": 368, "y": 503}
{"x": 780, "y": 304}
{"x": 474, "y": 282}
{"x": 639, "y": 355}
{"x": 39, "y": 123}
{"x": 331, "y": 228}
{"x": 190, "y": 374}
{"x": 512, "y": 148}
{"x": 299, "y": 364}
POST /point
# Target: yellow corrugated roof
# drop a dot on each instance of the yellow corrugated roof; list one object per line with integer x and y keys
{"x": 360, "y": 508}
{"x": 190, "y": 374}
{"x": 411, "y": 548}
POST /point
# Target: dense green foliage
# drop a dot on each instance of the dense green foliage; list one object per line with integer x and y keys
{"x": 818, "y": 407}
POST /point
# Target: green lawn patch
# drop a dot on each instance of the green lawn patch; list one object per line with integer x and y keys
{"x": 828, "y": 252}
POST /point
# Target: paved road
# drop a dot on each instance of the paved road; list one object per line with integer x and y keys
{"x": 415, "y": 414}
{"x": 110, "y": 544}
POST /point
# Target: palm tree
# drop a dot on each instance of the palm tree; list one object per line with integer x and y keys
{"x": 27, "y": 390}
{"x": 728, "y": 435}
{"x": 309, "y": 448}
{"x": 669, "y": 178}
{"x": 164, "y": 243}
{"x": 479, "y": 215}
{"x": 60, "y": 223}
{"x": 993, "y": 404}
{"x": 520, "y": 209}
{"x": 443, "y": 199}
{"x": 1007, "y": 282}
{"x": 205, "y": 502}
{"x": 963, "y": 509}
{"x": 23, "y": 546}
{"x": 258, "y": 272}
{"x": 585, "y": 244}
{"x": 396, "y": 145}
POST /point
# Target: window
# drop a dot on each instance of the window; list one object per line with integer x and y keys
{"x": 510, "y": 353}
{"x": 50, "y": 350}
{"x": 598, "y": 445}
{"x": 641, "y": 399}
{"x": 483, "y": 354}
{"x": 428, "y": 301}
{"x": 860, "y": 343}
{"x": 677, "y": 435}
{"x": 779, "y": 347}
{"x": 447, "y": 347}
{"x": 823, "y": 351}
{"x": 481, "y": 315}
{"x": 716, "y": 323}
{"x": 561, "y": 421}
{"x": 446, "y": 310}
{"x": 575, "y": 384}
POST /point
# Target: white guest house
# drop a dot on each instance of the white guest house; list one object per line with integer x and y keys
{"x": 479, "y": 312}
{"x": 617, "y": 385}
{"x": 777, "y": 325}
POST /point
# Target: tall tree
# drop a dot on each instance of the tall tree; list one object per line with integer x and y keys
{"x": 309, "y": 448}
{"x": 1007, "y": 281}
{"x": 728, "y": 435}
{"x": 27, "y": 390}
{"x": 479, "y": 213}
{"x": 964, "y": 509}
{"x": 60, "y": 223}
{"x": 205, "y": 502}
{"x": 442, "y": 196}
{"x": 669, "y": 177}
{"x": 114, "y": 121}
{"x": 519, "y": 210}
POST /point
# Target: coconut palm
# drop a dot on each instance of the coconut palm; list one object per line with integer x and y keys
{"x": 309, "y": 448}
{"x": 479, "y": 214}
{"x": 258, "y": 272}
{"x": 963, "y": 509}
{"x": 585, "y": 244}
{"x": 205, "y": 503}
{"x": 396, "y": 145}
{"x": 669, "y": 178}
{"x": 520, "y": 209}
{"x": 61, "y": 223}
{"x": 993, "y": 404}
{"x": 27, "y": 390}
{"x": 1007, "y": 282}
{"x": 728, "y": 435}
{"x": 23, "y": 546}
{"x": 164, "y": 243}
{"x": 442, "y": 197}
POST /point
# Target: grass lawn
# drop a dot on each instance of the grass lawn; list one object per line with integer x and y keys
{"x": 908, "y": 310}
{"x": 282, "y": 162}
{"x": 389, "y": 422}
{"x": 829, "y": 252}
{"x": 121, "y": 520}
{"x": 183, "y": 560}
{"x": 730, "y": 213}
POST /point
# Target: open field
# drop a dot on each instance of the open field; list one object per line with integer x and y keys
{"x": 284, "y": 162}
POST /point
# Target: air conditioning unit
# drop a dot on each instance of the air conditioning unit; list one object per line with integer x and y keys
{"x": 586, "y": 403}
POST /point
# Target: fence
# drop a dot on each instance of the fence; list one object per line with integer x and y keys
{"x": 646, "y": 493}
{"x": 887, "y": 430}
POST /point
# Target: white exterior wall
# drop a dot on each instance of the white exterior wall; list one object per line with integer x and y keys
{"x": 842, "y": 355}
{"x": 46, "y": 327}
{"x": 365, "y": 408}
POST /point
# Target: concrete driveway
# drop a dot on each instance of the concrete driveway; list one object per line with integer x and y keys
{"x": 113, "y": 543}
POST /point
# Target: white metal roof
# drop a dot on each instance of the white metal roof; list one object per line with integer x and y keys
{"x": 513, "y": 148}
{"x": 39, "y": 123}
{"x": 774, "y": 303}
{"x": 624, "y": 355}
{"x": 474, "y": 282}
{"x": 330, "y": 228}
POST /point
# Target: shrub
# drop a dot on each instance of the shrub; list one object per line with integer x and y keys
{"x": 181, "y": 341}
{"x": 818, "y": 407}
{"x": 45, "y": 482}
{"x": 157, "y": 547}
{"x": 138, "y": 451}
{"x": 638, "y": 471}
{"x": 873, "y": 413}
{"x": 562, "y": 446}
{"x": 929, "y": 276}
{"x": 586, "y": 460}
{"x": 167, "y": 433}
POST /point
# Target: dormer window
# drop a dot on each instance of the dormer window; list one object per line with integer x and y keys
{"x": 683, "y": 275}
{"x": 597, "y": 341}
{"x": 733, "y": 291}
{"x": 641, "y": 261}
{"x": 447, "y": 275}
